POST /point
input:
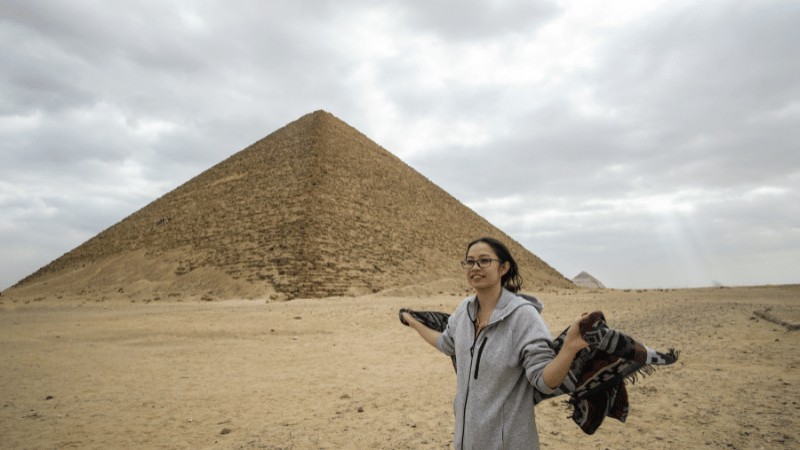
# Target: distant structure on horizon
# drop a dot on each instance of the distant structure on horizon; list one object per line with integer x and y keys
{"x": 583, "y": 279}
{"x": 315, "y": 209}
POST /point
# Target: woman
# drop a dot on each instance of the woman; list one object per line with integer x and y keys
{"x": 502, "y": 351}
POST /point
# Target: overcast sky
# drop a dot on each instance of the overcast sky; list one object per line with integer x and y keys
{"x": 653, "y": 144}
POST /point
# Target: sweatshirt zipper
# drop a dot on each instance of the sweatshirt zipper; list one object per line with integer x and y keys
{"x": 480, "y": 352}
{"x": 466, "y": 394}
{"x": 477, "y": 365}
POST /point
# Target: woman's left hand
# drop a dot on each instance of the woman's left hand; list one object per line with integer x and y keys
{"x": 574, "y": 341}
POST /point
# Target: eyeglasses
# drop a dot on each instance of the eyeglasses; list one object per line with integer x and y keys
{"x": 482, "y": 263}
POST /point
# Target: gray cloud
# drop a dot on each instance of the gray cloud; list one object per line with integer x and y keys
{"x": 474, "y": 20}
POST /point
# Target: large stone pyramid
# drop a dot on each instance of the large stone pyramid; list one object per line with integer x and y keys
{"x": 315, "y": 209}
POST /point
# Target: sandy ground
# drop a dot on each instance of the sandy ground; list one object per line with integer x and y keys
{"x": 343, "y": 373}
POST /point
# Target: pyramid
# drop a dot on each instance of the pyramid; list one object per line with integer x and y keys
{"x": 315, "y": 209}
{"x": 583, "y": 279}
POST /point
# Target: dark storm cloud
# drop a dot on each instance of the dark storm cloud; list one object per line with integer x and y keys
{"x": 149, "y": 65}
{"x": 712, "y": 84}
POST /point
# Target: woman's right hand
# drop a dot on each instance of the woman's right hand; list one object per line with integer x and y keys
{"x": 409, "y": 319}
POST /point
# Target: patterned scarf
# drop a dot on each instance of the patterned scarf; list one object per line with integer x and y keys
{"x": 596, "y": 380}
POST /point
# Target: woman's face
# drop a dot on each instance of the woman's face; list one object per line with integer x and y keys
{"x": 480, "y": 278}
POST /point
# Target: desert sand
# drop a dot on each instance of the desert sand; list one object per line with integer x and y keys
{"x": 343, "y": 373}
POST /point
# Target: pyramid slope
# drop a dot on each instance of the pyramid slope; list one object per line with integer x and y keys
{"x": 586, "y": 280}
{"x": 314, "y": 209}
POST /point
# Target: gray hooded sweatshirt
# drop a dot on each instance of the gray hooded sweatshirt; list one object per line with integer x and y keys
{"x": 496, "y": 372}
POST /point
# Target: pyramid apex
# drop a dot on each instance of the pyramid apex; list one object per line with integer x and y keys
{"x": 320, "y": 113}
{"x": 319, "y": 117}
{"x": 315, "y": 114}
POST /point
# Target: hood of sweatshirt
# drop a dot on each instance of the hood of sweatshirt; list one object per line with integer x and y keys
{"x": 536, "y": 303}
{"x": 507, "y": 304}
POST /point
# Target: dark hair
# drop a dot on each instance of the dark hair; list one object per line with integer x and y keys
{"x": 512, "y": 280}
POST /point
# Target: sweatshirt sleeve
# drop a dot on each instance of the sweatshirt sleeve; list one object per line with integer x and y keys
{"x": 535, "y": 346}
{"x": 446, "y": 344}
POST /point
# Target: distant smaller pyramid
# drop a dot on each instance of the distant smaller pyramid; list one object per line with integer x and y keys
{"x": 583, "y": 279}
